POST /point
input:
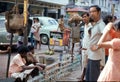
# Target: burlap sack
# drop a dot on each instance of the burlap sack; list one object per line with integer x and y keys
{"x": 14, "y": 20}
{"x": 17, "y": 22}
{"x": 75, "y": 18}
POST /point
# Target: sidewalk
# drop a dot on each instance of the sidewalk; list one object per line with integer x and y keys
{"x": 73, "y": 75}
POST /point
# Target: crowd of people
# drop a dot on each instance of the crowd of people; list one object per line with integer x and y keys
{"x": 100, "y": 48}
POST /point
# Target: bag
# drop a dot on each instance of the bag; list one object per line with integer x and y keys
{"x": 14, "y": 21}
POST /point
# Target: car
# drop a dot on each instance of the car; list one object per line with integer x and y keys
{"x": 81, "y": 32}
{"x": 5, "y": 37}
{"x": 47, "y": 24}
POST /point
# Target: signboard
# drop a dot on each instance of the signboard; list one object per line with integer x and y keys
{"x": 56, "y": 38}
{"x": 114, "y": 1}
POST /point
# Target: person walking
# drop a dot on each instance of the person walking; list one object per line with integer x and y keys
{"x": 97, "y": 54}
{"x": 111, "y": 40}
{"x": 35, "y": 33}
{"x": 75, "y": 30}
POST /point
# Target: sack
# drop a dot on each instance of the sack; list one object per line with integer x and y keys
{"x": 16, "y": 22}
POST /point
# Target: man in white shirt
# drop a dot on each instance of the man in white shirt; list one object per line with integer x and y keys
{"x": 86, "y": 20}
{"x": 95, "y": 54}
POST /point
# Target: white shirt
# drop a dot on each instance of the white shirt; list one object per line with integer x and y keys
{"x": 96, "y": 32}
{"x": 86, "y": 35}
{"x": 34, "y": 27}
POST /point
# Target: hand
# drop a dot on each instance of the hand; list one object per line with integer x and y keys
{"x": 30, "y": 54}
{"x": 8, "y": 49}
{"x": 101, "y": 67}
{"x": 40, "y": 68}
{"x": 41, "y": 65}
{"x": 94, "y": 47}
{"x": 83, "y": 48}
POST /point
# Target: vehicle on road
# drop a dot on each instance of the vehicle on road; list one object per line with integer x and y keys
{"x": 5, "y": 36}
{"x": 47, "y": 24}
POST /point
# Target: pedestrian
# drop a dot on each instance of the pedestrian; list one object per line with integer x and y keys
{"x": 35, "y": 37}
{"x": 75, "y": 30}
{"x": 95, "y": 56}
{"x": 111, "y": 40}
{"x": 107, "y": 19}
{"x": 86, "y": 20}
{"x": 18, "y": 68}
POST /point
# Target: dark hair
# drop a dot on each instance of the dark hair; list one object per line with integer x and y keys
{"x": 23, "y": 49}
{"x": 97, "y": 7}
{"x": 30, "y": 47}
{"x": 116, "y": 25}
{"x": 36, "y": 19}
{"x": 115, "y": 17}
{"x": 107, "y": 19}
{"x": 85, "y": 13}
{"x": 61, "y": 16}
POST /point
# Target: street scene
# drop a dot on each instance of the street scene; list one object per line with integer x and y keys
{"x": 59, "y": 40}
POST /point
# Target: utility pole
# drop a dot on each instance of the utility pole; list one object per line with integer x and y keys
{"x": 25, "y": 22}
{"x": 113, "y": 9}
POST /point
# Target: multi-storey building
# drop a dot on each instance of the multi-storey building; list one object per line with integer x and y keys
{"x": 51, "y": 8}
{"x": 106, "y": 5}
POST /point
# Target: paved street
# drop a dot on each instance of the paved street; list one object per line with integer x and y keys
{"x": 71, "y": 77}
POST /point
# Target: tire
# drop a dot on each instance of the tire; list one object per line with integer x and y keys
{"x": 44, "y": 39}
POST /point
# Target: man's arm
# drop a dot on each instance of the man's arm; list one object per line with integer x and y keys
{"x": 5, "y": 51}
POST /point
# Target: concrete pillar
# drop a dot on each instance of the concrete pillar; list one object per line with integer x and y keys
{"x": 45, "y": 11}
{"x": 59, "y": 13}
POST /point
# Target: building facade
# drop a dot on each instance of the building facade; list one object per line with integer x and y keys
{"x": 108, "y": 6}
{"x": 51, "y": 8}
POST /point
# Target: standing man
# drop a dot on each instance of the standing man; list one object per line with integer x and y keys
{"x": 96, "y": 54}
{"x": 86, "y": 20}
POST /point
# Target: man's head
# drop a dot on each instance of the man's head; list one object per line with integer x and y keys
{"x": 31, "y": 49}
{"x": 107, "y": 19}
{"x": 85, "y": 17}
{"x": 61, "y": 16}
{"x": 95, "y": 12}
{"x": 23, "y": 50}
